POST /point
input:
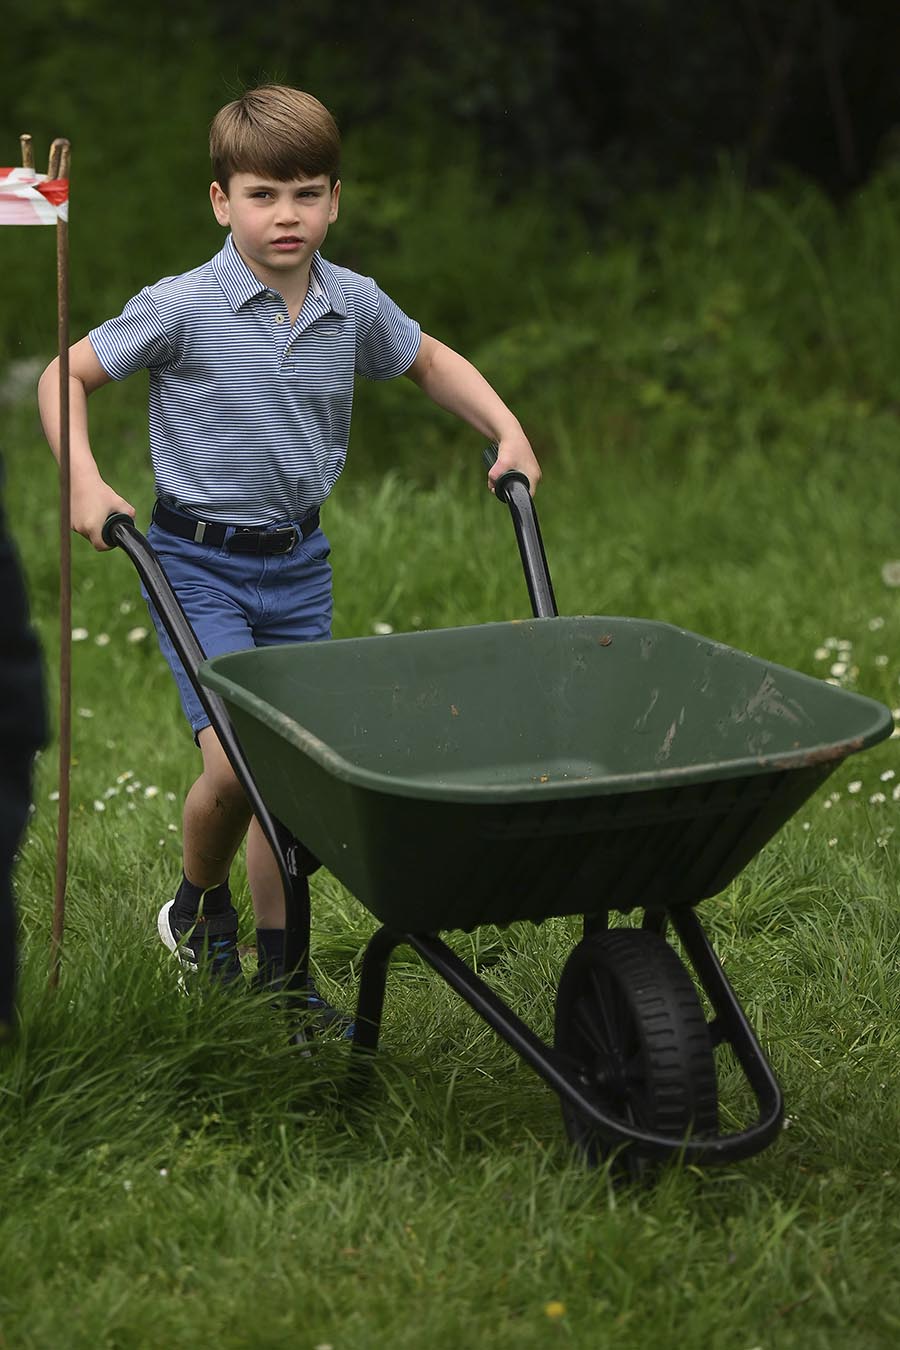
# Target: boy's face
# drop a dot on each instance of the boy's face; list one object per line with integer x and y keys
{"x": 277, "y": 226}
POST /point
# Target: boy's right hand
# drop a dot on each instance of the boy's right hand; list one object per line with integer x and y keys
{"x": 90, "y": 508}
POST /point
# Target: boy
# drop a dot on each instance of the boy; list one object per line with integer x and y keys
{"x": 252, "y": 359}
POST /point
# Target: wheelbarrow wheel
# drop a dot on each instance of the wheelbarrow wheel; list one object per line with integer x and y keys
{"x": 628, "y": 1018}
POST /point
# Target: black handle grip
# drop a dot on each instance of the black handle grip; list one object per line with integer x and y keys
{"x": 514, "y": 489}
{"x": 505, "y": 481}
{"x": 112, "y": 527}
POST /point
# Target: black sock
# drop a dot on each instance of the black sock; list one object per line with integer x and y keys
{"x": 270, "y": 951}
{"x": 216, "y": 900}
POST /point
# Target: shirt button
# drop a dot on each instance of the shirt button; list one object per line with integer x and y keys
{"x": 279, "y": 318}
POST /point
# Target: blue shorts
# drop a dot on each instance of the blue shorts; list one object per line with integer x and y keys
{"x": 238, "y": 600}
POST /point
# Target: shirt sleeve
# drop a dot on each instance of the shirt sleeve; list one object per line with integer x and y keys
{"x": 387, "y": 345}
{"x": 136, "y": 340}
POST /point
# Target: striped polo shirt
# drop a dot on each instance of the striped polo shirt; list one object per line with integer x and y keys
{"x": 249, "y": 414}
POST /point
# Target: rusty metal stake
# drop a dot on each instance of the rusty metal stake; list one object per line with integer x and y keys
{"x": 59, "y": 168}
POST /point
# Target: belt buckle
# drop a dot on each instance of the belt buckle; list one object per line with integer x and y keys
{"x": 273, "y": 542}
{"x": 290, "y": 540}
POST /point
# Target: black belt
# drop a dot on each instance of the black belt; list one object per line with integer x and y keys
{"x": 244, "y": 539}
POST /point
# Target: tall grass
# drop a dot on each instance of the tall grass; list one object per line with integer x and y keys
{"x": 718, "y": 437}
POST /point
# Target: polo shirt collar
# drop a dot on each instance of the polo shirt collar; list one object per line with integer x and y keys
{"x": 235, "y": 277}
{"x": 330, "y": 285}
{"x": 240, "y": 284}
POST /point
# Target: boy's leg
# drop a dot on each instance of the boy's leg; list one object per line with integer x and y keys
{"x": 216, "y": 816}
{"x": 267, "y": 892}
{"x": 264, "y": 877}
{"x": 267, "y": 896}
{"x": 200, "y": 925}
{"x": 234, "y": 602}
{"x": 295, "y": 606}
{"x": 215, "y": 821}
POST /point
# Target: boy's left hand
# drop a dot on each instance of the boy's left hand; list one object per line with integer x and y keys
{"x": 515, "y": 452}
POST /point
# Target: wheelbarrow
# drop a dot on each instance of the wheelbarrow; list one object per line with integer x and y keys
{"x": 522, "y": 770}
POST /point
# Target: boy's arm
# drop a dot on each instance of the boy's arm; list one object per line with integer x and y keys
{"x": 453, "y": 383}
{"x": 92, "y": 499}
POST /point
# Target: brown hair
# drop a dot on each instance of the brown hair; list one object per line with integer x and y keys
{"x": 274, "y": 131}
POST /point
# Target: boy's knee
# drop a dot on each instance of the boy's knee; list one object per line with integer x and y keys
{"x": 223, "y": 784}
{"x": 218, "y": 774}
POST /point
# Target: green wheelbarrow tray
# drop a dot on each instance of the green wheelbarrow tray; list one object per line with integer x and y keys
{"x": 553, "y": 766}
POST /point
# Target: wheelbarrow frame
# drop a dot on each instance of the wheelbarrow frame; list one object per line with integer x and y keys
{"x": 728, "y": 1025}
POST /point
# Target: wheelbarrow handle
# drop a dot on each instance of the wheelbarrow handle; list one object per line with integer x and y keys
{"x": 119, "y": 530}
{"x": 514, "y": 489}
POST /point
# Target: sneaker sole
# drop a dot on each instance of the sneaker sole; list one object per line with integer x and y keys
{"x": 183, "y": 954}
{"x": 167, "y": 937}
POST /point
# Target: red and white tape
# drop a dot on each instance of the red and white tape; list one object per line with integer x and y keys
{"x": 29, "y": 198}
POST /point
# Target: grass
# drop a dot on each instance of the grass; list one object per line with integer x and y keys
{"x": 176, "y": 1173}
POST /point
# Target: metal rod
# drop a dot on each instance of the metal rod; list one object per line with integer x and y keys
{"x": 730, "y": 1023}
{"x": 65, "y": 585}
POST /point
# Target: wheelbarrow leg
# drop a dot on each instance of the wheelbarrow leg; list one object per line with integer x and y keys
{"x": 370, "y": 1004}
{"x": 731, "y": 1024}
{"x": 596, "y": 923}
{"x": 655, "y": 921}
